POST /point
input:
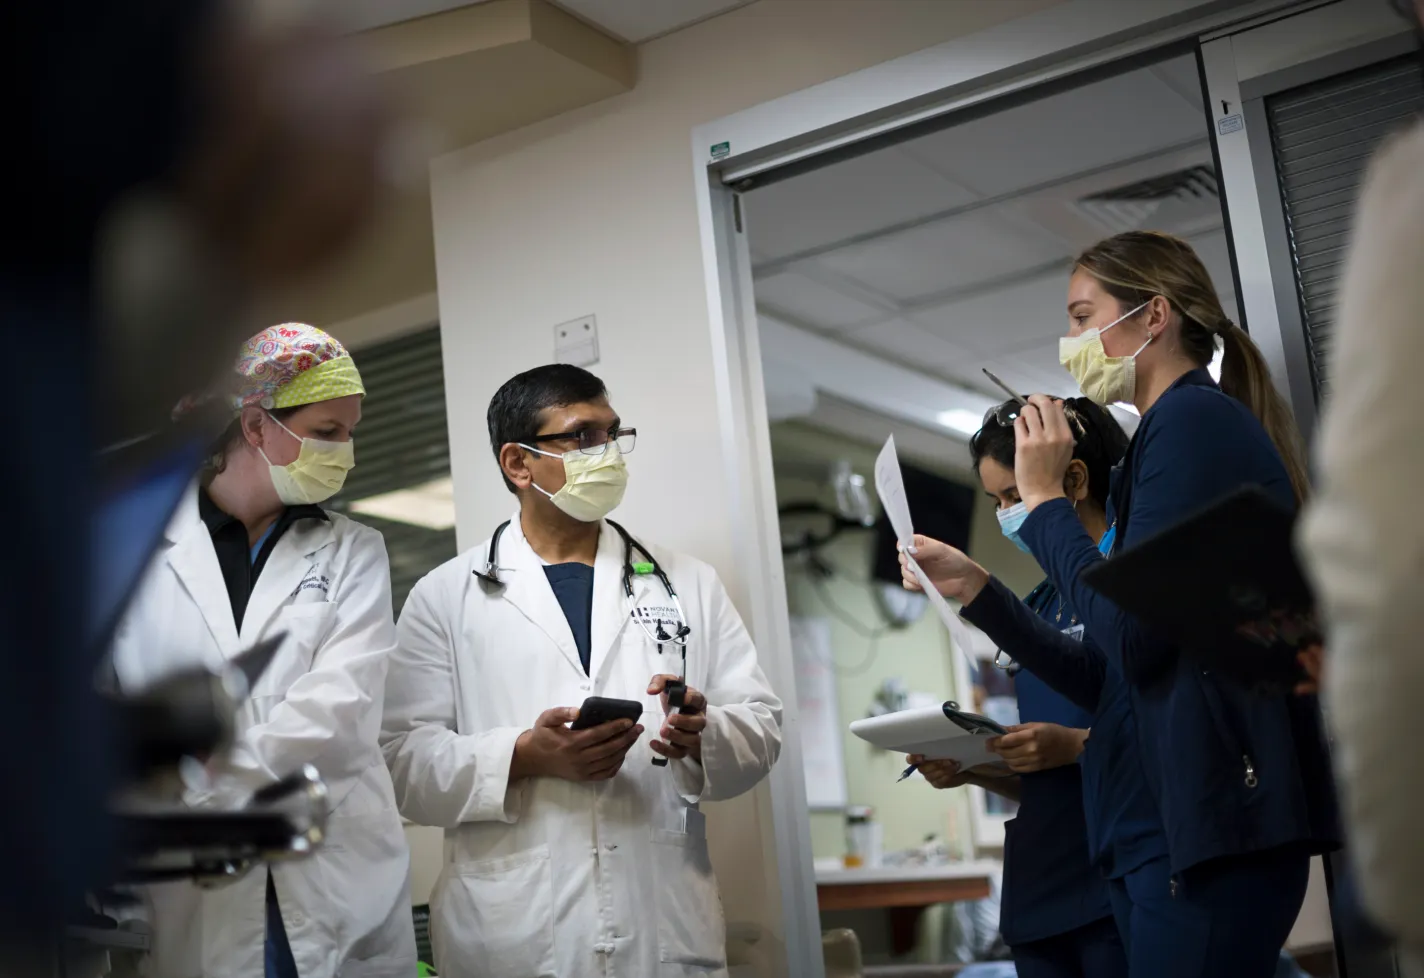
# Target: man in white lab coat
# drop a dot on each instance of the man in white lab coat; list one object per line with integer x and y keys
{"x": 572, "y": 854}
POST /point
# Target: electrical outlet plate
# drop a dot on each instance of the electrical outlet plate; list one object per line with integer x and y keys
{"x": 576, "y": 342}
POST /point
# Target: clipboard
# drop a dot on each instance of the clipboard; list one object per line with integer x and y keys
{"x": 1226, "y": 583}
{"x": 938, "y": 732}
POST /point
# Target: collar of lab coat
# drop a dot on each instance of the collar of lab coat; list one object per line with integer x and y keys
{"x": 528, "y": 589}
{"x": 194, "y": 560}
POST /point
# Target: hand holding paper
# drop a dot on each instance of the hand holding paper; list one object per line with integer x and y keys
{"x": 890, "y": 486}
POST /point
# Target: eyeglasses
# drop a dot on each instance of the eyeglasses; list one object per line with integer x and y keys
{"x": 592, "y": 441}
{"x": 1008, "y": 412}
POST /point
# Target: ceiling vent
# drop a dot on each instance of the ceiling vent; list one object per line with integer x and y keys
{"x": 1169, "y": 200}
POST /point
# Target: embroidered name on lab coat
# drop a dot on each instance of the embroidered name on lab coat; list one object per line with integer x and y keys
{"x": 652, "y": 614}
{"x": 314, "y": 582}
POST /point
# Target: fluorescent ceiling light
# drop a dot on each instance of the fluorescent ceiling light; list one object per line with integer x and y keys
{"x": 965, "y": 422}
{"x": 431, "y": 505}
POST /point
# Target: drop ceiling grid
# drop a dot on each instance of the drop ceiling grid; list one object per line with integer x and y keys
{"x": 838, "y": 203}
{"x": 1070, "y": 132}
{"x": 982, "y": 288}
{"x": 948, "y": 254}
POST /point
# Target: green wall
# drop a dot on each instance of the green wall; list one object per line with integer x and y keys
{"x": 920, "y": 654}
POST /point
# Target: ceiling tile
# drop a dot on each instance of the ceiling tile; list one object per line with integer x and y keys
{"x": 641, "y": 20}
{"x": 908, "y": 344}
{"x": 831, "y": 205}
{"x": 1023, "y": 315}
{"x": 1054, "y": 137}
{"x": 946, "y": 255}
{"x": 1183, "y": 77}
{"x": 811, "y": 303}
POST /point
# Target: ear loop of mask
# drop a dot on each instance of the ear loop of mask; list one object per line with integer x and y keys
{"x": 273, "y": 418}
{"x": 1124, "y": 317}
{"x": 539, "y": 451}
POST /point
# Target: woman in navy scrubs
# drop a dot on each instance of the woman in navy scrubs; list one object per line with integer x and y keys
{"x": 1240, "y": 780}
{"x": 1055, "y": 912}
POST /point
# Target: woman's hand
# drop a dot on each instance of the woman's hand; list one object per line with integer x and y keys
{"x": 1043, "y": 447}
{"x": 948, "y": 774}
{"x": 940, "y": 774}
{"x": 1029, "y": 747}
{"x": 952, "y": 573}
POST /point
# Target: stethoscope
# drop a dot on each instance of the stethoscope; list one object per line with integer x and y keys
{"x": 660, "y": 631}
{"x": 653, "y": 626}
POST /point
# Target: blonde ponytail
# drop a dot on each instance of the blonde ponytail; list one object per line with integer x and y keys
{"x": 1245, "y": 376}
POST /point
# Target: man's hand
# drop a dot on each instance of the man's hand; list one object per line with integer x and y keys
{"x": 551, "y": 750}
{"x": 952, "y": 573}
{"x": 681, "y": 732}
{"x": 1029, "y": 747}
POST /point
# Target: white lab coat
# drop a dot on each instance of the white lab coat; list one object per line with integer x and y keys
{"x": 327, "y": 585}
{"x": 549, "y": 878}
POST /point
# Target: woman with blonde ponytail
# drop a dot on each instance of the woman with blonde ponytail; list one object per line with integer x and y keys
{"x": 1241, "y": 780}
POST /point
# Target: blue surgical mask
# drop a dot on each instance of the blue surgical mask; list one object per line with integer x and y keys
{"x": 1010, "y": 520}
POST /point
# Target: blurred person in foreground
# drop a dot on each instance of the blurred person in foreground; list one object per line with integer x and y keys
{"x": 174, "y": 159}
{"x": 1364, "y": 541}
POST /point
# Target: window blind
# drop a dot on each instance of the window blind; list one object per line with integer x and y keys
{"x": 1322, "y": 136}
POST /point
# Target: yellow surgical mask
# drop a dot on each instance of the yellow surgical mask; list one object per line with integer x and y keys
{"x": 1102, "y": 379}
{"x": 593, "y": 484}
{"x": 317, "y": 474}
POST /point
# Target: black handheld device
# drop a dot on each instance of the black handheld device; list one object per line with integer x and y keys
{"x": 598, "y": 710}
{"x": 676, "y": 691}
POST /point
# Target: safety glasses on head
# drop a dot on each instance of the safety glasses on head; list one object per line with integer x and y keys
{"x": 1007, "y": 413}
{"x": 592, "y": 441}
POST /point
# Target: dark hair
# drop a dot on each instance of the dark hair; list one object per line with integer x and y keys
{"x": 1139, "y": 265}
{"x": 516, "y": 410}
{"x": 232, "y": 435}
{"x": 1101, "y": 445}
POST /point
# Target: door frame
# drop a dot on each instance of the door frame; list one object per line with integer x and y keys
{"x": 1027, "y": 57}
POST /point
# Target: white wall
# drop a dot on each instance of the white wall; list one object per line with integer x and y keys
{"x": 593, "y": 212}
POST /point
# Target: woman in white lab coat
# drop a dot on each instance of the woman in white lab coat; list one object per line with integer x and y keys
{"x": 248, "y": 555}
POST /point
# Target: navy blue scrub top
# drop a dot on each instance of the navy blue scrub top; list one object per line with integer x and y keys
{"x": 573, "y": 586}
{"x": 1050, "y": 885}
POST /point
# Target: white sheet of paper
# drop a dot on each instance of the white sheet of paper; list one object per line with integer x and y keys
{"x": 890, "y": 487}
{"x": 960, "y": 632}
{"x": 926, "y": 731}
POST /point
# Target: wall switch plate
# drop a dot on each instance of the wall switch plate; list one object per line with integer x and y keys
{"x": 576, "y": 342}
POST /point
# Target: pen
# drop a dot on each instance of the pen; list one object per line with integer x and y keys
{"x": 908, "y": 771}
{"x": 1003, "y": 386}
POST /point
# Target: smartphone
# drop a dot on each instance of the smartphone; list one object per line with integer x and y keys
{"x": 598, "y": 710}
